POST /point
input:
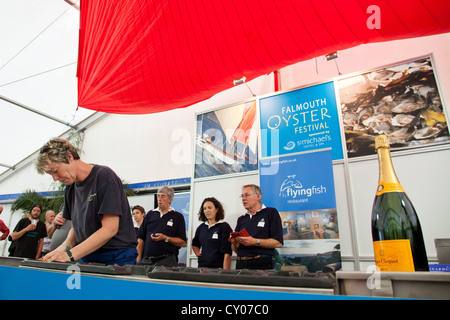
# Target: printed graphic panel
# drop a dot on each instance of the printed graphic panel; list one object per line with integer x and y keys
{"x": 401, "y": 101}
{"x": 226, "y": 141}
{"x": 301, "y": 120}
{"x": 298, "y": 182}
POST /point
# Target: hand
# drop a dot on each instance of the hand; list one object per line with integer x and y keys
{"x": 247, "y": 241}
{"x": 57, "y": 256}
{"x": 59, "y": 220}
{"x": 158, "y": 237}
{"x": 30, "y": 227}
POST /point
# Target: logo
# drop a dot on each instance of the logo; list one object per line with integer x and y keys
{"x": 290, "y": 186}
{"x": 289, "y": 146}
{"x": 293, "y": 189}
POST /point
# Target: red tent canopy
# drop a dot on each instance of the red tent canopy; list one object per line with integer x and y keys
{"x": 145, "y": 56}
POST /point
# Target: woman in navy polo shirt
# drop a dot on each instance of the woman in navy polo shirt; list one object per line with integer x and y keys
{"x": 210, "y": 243}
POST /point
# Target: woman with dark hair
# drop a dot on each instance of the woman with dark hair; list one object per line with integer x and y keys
{"x": 210, "y": 243}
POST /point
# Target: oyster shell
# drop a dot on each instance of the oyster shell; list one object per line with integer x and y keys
{"x": 428, "y": 132}
{"x": 401, "y": 120}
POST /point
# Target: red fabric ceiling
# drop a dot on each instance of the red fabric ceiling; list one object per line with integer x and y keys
{"x": 145, "y": 56}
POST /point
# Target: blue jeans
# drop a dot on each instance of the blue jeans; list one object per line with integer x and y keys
{"x": 119, "y": 257}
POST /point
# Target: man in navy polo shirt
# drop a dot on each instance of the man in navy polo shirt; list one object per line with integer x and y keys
{"x": 265, "y": 231}
{"x": 162, "y": 232}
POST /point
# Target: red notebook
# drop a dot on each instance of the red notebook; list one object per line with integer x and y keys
{"x": 242, "y": 233}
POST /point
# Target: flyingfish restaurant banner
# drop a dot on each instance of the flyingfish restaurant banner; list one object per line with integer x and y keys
{"x": 302, "y": 120}
{"x": 302, "y": 189}
{"x": 302, "y": 181}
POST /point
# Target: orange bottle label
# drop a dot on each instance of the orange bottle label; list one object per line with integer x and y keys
{"x": 393, "y": 255}
{"x": 389, "y": 187}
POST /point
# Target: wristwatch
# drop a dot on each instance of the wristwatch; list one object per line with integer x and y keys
{"x": 258, "y": 243}
{"x": 70, "y": 255}
{"x": 167, "y": 239}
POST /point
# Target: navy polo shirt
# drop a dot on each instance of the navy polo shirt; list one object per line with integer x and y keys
{"x": 214, "y": 244}
{"x": 264, "y": 224}
{"x": 171, "y": 224}
{"x": 100, "y": 193}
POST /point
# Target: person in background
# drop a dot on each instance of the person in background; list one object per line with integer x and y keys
{"x": 265, "y": 230}
{"x": 29, "y": 235}
{"x": 138, "y": 213}
{"x": 210, "y": 243}
{"x": 49, "y": 217}
{"x": 3, "y": 228}
{"x": 95, "y": 201}
{"x": 162, "y": 233}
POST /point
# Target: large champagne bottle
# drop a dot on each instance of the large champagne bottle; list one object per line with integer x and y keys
{"x": 396, "y": 232}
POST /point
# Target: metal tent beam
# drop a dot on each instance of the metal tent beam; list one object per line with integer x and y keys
{"x": 6, "y": 166}
{"x": 82, "y": 125}
{"x": 37, "y": 112}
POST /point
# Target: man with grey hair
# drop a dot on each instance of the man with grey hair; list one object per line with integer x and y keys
{"x": 264, "y": 228}
{"x": 162, "y": 233}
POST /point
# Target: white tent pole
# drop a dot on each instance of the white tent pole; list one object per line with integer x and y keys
{"x": 6, "y": 166}
{"x": 37, "y": 112}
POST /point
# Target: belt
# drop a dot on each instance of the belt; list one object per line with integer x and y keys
{"x": 248, "y": 258}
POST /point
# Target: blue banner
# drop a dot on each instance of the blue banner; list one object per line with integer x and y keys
{"x": 301, "y": 120}
{"x": 181, "y": 203}
{"x": 301, "y": 182}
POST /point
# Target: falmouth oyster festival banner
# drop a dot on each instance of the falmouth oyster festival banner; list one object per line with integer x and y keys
{"x": 301, "y": 120}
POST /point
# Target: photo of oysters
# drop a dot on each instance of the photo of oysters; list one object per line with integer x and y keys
{"x": 401, "y": 101}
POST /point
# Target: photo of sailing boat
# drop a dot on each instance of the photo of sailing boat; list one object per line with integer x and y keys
{"x": 226, "y": 141}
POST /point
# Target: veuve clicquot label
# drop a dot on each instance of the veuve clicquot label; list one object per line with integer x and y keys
{"x": 389, "y": 187}
{"x": 393, "y": 255}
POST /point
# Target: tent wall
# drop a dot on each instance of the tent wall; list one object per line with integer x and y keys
{"x": 159, "y": 147}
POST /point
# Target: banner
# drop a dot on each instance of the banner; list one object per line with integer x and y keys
{"x": 302, "y": 190}
{"x": 301, "y": 120}
{"x": 181, "y": 203}
{"x": 401, "y": 101}
{"x": 226, "y": 141}
{"x": 303, "y": 182}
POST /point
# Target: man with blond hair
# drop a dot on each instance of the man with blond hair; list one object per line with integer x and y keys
{"x": 95, "y": 201}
